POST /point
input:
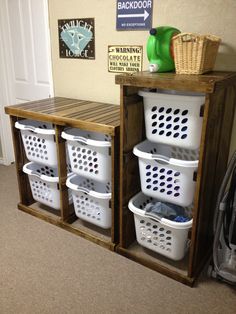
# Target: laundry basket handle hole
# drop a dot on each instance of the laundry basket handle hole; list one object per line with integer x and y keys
{"x": 154, "y": 217}
{"x": 82, "y": 189}
{"x": 80, "y": 139}
{"x": 161, "y": 159}
{"x": 30, "y": 128}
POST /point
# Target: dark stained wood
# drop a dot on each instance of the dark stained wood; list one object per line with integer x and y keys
{"x": 197, "y": 83}
{"x": 55, "y": 220}
{"x": 87, "y": 115}
{"x": 88, "y": 236}
{"x": 132, "y": 132}
{"x": 220, "y": 91}
{"x": 46, "y": 210}
{"x": 41, "y": 213}
{"x": 133, "y": 116}
{"x": 22, "y": 178}
{"x": 177, "y": 266}
{"x": 91, "y": 229}
{"x": 72, "y": 218}
{"x": 115, "y": 151}
{"x": 225, "y": 135}
{"x": 130, "y": 186}
{"x": 65, "y": 112}
{"x": 137, "y": 254}
{"x": 199, "y": 184}
{"x": 127, "y": 228}
{"x": 66, "y": 210}
{"x": 131, "y": 179}
{"x": 214, "y": 150}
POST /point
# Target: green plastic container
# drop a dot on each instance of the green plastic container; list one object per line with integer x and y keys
{"x": 159, "y": 49}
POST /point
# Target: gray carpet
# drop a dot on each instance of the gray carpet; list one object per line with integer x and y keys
{"x": 44, "y": 269}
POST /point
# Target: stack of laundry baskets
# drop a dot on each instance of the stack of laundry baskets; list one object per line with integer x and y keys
{"x": 168, "y": 161}
{"x": 40, "y": 147}
{"x": 90, "y": 159}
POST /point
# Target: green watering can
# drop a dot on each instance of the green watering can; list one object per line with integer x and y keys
{"x": 159, "y": 49}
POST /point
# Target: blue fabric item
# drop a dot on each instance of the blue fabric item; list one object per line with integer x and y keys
{"x": 166, "y": 210}
{"x": 181, "y": 219}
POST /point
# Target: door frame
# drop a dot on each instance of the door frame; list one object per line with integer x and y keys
{"x": 6, "y": 87}
{"x": 7, "y": 93}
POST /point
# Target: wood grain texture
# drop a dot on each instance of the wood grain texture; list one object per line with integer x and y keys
{"x": 196, "y": 83}
{"x": 131, "y": 180}
{"x": 142, "y": 258}
{"x": 127, "y": 227}
{"x": 55, "y": 220}
{"x": 20, "y": 160}
{"x": 66, "y": 209}
{"x": 133, "y": 116}
{"x": 115, "y": 149}
{"x": 132, "y": 132}
{"x": 87, "y": 115}
{"x": 215, "y": 144}
{"x": 220, "y": 91}
{"x": 62, "y": 113}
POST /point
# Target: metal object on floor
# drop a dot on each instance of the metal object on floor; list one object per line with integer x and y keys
{"x": 224, "y": 247}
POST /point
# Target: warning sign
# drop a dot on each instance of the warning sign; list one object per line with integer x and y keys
{"x": 134, "y": 14}
{"x": 127, "y": 59}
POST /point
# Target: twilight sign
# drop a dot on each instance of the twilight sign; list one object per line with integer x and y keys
{"x": 76, "y": 38}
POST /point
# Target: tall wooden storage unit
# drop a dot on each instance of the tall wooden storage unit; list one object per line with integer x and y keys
{"x": 220, "y": 99}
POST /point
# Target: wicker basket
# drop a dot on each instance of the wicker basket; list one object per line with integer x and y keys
{"x": 195, "y": 54}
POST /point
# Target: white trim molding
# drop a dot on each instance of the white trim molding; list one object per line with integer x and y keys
{"x": 6, "y": 87}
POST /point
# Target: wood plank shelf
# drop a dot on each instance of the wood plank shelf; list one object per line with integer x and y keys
{"x": 219, "y": 89}
{"x": 86, "y": 115}
{"x": 176, "y": 270}
{"x": 62, "y": 113}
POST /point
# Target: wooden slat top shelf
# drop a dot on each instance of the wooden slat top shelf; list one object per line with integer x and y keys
{"x": 87, "y": 115}
{"x": 205, "y": 83}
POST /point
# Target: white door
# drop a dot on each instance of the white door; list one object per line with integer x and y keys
{"x": 24, "y": 33}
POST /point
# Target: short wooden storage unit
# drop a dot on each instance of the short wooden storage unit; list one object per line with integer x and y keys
{"x": 63, "y": 113}
{"x": 219, "y": 89}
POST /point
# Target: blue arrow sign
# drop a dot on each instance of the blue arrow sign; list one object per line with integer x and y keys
{"x": 134, "y": 14}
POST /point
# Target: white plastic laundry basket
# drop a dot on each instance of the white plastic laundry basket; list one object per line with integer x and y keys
{"x": 89, "y": 153}
{"x": 162, "y": 235}
{"x": 173, "y": 118}
{"x": 44, "y": 184}
{"x": 167, "y": 172}
{"x": 91, "y": 200}
{"x": 38, "y": 139}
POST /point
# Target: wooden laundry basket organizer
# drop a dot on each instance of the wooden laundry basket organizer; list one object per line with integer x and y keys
{"x": 195, "y": 54}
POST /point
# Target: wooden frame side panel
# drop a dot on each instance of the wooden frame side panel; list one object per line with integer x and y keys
{"x": 20, "y": 160}
{"x": 132, "y": 133}
{"x": 115, "y": 149}
{"x": 212, "y": 165}
{"x": 66, "y": 211}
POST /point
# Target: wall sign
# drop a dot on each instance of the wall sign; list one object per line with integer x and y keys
{"x": 133, "y": 14}
{"x": 127, "y": 59}
{"x": 76, "y": 38}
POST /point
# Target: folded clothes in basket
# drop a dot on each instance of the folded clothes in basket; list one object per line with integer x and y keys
{"x": 166, "y": 210}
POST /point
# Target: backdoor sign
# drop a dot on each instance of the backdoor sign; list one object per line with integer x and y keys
{"x": 134, "y": 14}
